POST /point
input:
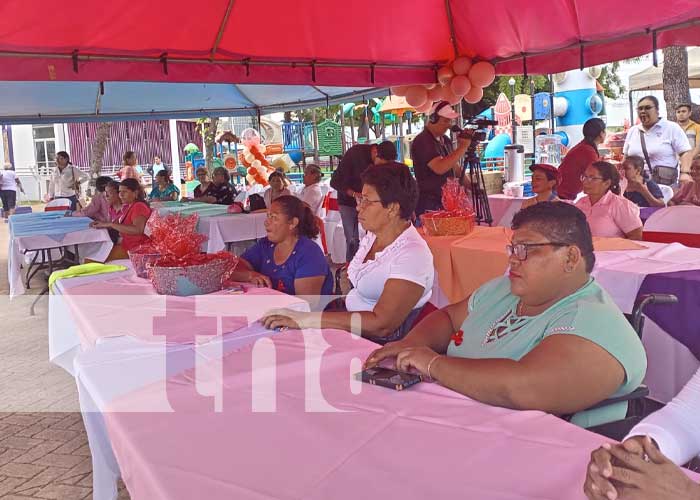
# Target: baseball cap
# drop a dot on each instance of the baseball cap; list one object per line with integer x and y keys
{"x": 444, "y": 109}
{"x": 545, "y": 167}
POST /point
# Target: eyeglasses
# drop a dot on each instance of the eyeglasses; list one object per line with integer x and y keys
{"x": 645, "y": 108}
{"x": 520, "y": 249}
{"x": 585, "y": 178}
{"x": 363, "y": 202}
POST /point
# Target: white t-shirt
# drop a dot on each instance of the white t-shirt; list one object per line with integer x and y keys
{"x": 675, "y": 427}
{"x": 8, "y": 180}
{"x": 313, "y": 196}
{"x": 407, "y": 258}
{"x": 665, "y": 141}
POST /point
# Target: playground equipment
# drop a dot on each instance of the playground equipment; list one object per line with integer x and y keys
{"x": 298, "y": 140}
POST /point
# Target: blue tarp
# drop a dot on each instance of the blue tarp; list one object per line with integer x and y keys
{"x": 64, "y": 102}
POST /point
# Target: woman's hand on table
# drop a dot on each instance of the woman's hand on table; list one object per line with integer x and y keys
{"x": 259, "y": 279}
{"x": 390, "y": 350}
{"x": 286, "y": 318}
{"x": 636, "y": 469}
{"x": 101, "y": 225}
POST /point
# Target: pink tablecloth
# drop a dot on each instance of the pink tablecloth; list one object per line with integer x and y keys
{"x": 297, "y": 428}
{"x": 129, "y": 306}
{"x": 503, "y": 208}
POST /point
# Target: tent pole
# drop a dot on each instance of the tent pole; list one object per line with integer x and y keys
{"x": 629, "y": 94}
{"x": 175, "y": 153}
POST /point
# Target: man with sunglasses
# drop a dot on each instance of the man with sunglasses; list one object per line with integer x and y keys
{"x": 546, "y": 337}
{"x": 662, "y": 143}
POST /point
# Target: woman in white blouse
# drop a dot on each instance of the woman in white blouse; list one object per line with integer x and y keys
{"x": 392, "y": 271}
{"x": 312, "y": 194}
{"x": 646, "y": 463}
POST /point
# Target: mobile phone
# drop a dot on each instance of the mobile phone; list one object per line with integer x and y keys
{"x": 386, "y": 377}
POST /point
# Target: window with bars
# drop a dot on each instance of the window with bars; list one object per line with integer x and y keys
{"x": 44, "y": 147}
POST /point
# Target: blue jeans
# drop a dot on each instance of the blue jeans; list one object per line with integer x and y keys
{"x": 348, "y": 215}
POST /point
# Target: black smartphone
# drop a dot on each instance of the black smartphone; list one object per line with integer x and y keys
{"x": 386, "y": 377}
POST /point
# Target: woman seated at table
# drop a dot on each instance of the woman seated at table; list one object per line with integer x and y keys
{"x": 219, "y": 191}
{"x": 98, "y": 208}
{"x": 689, "y": 193}
{"x": 545, "y": 179}
{"x": 277, "y": 188}
{"x": 132, "y": 223}
{"x": 640, "y": 190}
{"x": 203, "y": 178}
{"x": 392, "y": 271}
{"x": 115, "y": 207}
{"x": 288, "y": 259}
{"x": 546, "y": 337}
{"x": 609, "y": 214}
{"x": 164, "y": 189}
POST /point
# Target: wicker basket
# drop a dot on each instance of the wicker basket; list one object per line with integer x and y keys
{"x": 192, "y": 280}
{"x": 447, "y": 226}
{"x": 142, "y": 261}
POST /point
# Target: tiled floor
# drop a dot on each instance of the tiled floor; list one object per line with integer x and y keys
{"x": 43, "y": 445}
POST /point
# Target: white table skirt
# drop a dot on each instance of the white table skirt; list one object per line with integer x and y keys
{"x": 224, "y": 229}
{"x": 93, "y": 244}
{"x": 503, "y": 208}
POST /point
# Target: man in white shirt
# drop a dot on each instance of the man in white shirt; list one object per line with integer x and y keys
{"x": 65, "y": 180}
{"x": 645, "y": 465}
{"x": 312, "y": 194}
{"x": 665, "y": 141}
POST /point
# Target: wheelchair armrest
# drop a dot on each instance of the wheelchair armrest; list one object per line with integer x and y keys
{"x": 640, "y": 392}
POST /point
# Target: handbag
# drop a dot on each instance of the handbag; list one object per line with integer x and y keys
{"x": 660, "y": 174}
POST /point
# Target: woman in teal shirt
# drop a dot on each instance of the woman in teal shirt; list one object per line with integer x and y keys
{"x": 164, "y": 189}
{"x": 545, "y": 337}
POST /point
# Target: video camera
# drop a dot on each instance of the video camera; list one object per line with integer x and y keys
{"x": 474, "y": 129}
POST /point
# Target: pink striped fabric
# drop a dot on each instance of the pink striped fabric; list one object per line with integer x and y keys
{"x": 146, "y": 138}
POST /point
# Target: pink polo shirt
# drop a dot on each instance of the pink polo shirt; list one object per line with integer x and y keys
{"x": 613, "y": 215}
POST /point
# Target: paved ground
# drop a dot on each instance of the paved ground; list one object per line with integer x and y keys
{"x": 43, "y": 445}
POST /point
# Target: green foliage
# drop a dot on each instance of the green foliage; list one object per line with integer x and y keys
{"x": 611, "y": 82}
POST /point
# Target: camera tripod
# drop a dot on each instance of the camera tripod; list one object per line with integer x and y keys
{"x": 476, "y": 186}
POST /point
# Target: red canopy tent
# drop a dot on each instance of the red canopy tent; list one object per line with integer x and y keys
{"x": 313, "y": 42}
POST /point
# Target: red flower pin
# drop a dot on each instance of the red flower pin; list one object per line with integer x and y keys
{"x": 458, "y": 337}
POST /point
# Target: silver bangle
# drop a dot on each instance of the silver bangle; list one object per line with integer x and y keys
{"x": 430, "y": 364}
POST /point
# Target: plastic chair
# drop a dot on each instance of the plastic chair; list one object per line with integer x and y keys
{"x": 57, "y": 205}
{"x": 667, "y": 191}
{"x": 620, "y": 428}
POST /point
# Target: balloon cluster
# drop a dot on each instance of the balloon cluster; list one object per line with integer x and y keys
{"x": 253, "y": 157}
{"x": 457, "y": 80}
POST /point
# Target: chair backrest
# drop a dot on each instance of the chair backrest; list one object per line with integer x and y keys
{"x": 322, "y": 234}
{"x": 330, "y": 203}
{"x": 667, "y": 191}
{"x": 58, "y": 204}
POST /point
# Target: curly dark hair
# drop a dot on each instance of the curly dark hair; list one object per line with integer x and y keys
{"x": 294, "y": 207}
{"x": 608, "y": 172}
{"x": 560, "y": 222}
{"x": 394, "y": 184}
{"x": 387, "y": 151}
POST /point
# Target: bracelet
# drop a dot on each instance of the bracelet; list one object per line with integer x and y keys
{"x": 430, "y": 364}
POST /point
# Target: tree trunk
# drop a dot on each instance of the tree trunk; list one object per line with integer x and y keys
{"x": 98, "y": 151}
{"x": 675, "y": 81}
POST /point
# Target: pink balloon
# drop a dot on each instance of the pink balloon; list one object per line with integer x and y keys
{"x": 399, "y": 90}
{"x": 461, "y": 65}
{"x": 445, "y": 74}
{"x": 425, "y": 108}
{"x": 482, "y": 74}
{"x": 437, "y": 93}
{"x": 474, "y": 95}
{"x": 451, "y": 97}
{"x": 416, "y": 95}
{"x": 460, "y": 85}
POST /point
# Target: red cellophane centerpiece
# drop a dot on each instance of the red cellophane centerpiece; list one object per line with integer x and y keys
{"x": 456, "y": 219}
{"x": 182, "y": 269}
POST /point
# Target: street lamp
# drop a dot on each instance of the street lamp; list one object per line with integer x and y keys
{"x": 511, "y": 82}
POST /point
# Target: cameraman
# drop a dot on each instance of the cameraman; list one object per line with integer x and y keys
{"x": 434, "y": 159}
